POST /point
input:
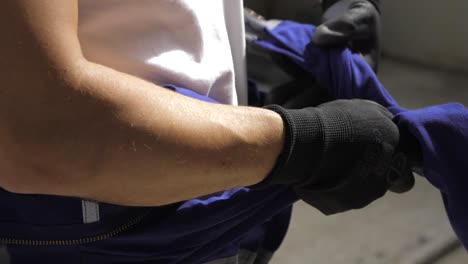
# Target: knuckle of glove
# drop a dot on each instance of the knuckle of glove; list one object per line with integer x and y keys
{"x": 355, "y": 192}
{"x": 352, "y": 22}
{"x": 363, "y": 4}
{"x": 354, "y": 10}
{"x": 354, "y": 174}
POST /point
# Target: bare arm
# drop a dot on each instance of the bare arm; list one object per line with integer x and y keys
{"x": 72, "y": 127}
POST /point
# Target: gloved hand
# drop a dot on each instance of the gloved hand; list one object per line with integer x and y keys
{"x": 355, "y": 23}
{"x": 338, "y": 155}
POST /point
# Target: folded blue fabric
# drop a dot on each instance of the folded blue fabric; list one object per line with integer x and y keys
{"x": 442, "y": 131}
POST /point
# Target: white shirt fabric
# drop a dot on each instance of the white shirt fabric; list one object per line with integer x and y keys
{"x": 180, "y": 42}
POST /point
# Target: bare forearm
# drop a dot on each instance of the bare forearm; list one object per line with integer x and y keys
{"x": 71, "y": 127}
{"x": 122, "y": 140}
{"x": 179, "y": 147}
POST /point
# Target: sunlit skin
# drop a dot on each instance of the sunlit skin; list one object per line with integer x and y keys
{"x": 76, "y": 128}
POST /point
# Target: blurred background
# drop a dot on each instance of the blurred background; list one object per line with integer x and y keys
{"x": 425, "y": 62}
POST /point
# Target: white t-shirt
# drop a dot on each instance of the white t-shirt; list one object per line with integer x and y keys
{"x": 180, "y": 42}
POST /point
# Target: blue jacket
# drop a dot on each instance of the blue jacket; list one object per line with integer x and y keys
{"x": 441, "y": 131}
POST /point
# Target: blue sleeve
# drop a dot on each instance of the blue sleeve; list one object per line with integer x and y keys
{"x": 442, "y": 131}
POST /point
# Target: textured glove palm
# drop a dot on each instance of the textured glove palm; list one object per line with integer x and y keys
{"x": 355, "y": 23}
{"x": 338, "y": 155}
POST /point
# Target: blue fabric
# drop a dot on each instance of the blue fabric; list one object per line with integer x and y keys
{"x": 189, "y": 93}
{"x": 442, "y": 131}
{"x": 197, "y": 231}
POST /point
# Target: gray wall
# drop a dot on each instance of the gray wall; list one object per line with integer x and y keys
{"x": 427, "y": 31}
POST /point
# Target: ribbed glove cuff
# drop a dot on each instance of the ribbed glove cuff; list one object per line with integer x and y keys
{"x": 303, "y": 146}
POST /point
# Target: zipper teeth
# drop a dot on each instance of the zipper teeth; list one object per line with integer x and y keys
{"x": 27, "y": 242}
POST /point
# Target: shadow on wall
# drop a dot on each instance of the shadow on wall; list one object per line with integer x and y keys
{"x": 428, "y": 32}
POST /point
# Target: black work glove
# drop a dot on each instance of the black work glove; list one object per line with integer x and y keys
{"x": 355, "y": 23}
{"x": 338, "y": 155}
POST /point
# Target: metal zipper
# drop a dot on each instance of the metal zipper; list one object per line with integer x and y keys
{"x": 27, "y": 242}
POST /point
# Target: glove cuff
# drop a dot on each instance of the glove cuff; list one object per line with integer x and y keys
{"x": 303, "y": 146}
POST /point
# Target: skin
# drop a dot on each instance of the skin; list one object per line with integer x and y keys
{"x": 76, "y": 128}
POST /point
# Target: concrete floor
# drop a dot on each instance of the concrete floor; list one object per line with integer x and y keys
{"x": 399, "y": 229}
